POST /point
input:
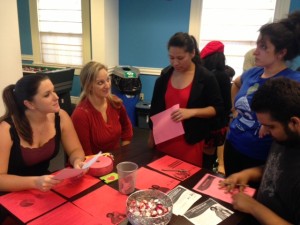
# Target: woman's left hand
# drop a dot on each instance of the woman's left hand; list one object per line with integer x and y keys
{"x": 181, "y": 114}
{"x": 78, "y": 163}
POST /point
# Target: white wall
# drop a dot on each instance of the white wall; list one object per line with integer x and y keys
{"x": 10, "y": 50}
{"x": 105, "y": 31}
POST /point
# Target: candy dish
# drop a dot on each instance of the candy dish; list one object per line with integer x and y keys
{"x": 149, "y": 207}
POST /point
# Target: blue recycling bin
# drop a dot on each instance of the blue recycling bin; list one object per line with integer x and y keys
{"x": 126, "y": 84}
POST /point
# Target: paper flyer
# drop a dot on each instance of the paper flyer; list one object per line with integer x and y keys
{"x": 182, "y": 199}
{"x": 209, "y": 212}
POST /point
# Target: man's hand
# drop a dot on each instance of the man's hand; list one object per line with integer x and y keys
{"x": 243, "y": 202}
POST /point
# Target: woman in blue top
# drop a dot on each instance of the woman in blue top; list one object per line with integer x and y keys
{"x": 247, "y": 143}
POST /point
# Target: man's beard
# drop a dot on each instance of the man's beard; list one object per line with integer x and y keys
{"x": 292, "y": 140}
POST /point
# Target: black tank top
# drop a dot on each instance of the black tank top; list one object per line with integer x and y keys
{"x": 17, "y": 165}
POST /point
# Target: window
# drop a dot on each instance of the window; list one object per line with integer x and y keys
{"x": 235, "y": 23}
{"x": 59, "y": 32}
{"x": 60, "y": 28}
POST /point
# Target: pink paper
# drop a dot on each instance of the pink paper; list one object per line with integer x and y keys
{"x": 27, "y": 205}
{"x": 164, "y": 128}
{"x": 209, "y": 185}
{"x": 67, "y": 214}
{"x": 171, "y": 163}
{"x": 67, "y": 173}
{"x": 106, "y": 204}
{"x": 147, "y": 179}
{"x": 71, "y": 187}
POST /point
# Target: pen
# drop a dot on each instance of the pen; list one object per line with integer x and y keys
{"x": 238, "y": 185}
{"x": 178, "y": 170}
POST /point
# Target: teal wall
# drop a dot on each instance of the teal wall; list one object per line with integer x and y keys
{"x": 24, "y": 27}
{"x": 295, "y": 5}
{"x": 144, "y": 29}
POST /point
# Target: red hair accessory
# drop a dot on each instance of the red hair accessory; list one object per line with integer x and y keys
{"x": 211, "y": 47}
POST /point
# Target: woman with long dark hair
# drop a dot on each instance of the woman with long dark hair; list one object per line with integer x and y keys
{"x": 31, "y": 131}
{"x": 195, "y": 89}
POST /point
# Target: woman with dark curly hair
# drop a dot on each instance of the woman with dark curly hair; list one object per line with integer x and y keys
{"x": 248, "y": 143}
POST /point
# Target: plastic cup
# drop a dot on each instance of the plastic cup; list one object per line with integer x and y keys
{"x": 127, "y": 176}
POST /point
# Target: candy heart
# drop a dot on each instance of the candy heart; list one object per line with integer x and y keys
{"x": 111, "y": 178}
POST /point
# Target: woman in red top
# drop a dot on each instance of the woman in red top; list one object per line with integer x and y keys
{"x": 195, "y": 89}
{"x": 100, "y": 119}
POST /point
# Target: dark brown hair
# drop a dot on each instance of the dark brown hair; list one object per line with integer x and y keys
{"x": 284, "y": 34}
{"x": 187, "y": 42}
{"x": 14, "y": 96}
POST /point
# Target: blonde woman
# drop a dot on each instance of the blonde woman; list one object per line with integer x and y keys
{"x": 100, "y": 119}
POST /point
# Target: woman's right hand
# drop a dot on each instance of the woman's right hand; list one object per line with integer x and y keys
{"x": 46, "y": 182}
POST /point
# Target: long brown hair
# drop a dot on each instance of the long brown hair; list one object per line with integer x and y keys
{"x": 14, "y": 96}
{"x": 88, "y": 76}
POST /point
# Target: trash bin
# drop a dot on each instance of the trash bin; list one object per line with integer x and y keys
{"x": 142, "y": 112}
{"x": 127, "y": 85}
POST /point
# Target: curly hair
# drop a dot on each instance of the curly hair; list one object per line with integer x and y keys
{"x": 279, "y": 97}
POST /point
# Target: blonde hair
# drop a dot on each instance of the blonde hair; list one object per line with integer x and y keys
{"x": 88, "y": 76}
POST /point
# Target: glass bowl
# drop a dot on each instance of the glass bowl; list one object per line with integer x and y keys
{"x": 149, "y": 207}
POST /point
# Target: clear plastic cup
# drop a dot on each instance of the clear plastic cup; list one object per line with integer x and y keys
{"x": 127, "y": 176}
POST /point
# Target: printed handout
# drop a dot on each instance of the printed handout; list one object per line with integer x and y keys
{"x": 182, "y": 199}
{"x": 208, "y": 213}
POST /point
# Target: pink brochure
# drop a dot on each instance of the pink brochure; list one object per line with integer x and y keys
{"x": 27, "y": 205}
{"x": 71, "y": 187}
{"x": 104, "y": 203}
{"x": 149, "y": 179}
{"x": 68, "y": 173}
{"x": 66, "y": 214}
{"x": 209, "y": 185}
{"x": 174, "y": 167}
{"x": 164, "y": 128}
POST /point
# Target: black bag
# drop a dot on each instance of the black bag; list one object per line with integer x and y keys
{"x": 127, "y": 80}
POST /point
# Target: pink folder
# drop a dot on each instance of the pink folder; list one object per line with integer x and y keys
{"x": 164, "y": 128}
{"x": 209, "y": 185}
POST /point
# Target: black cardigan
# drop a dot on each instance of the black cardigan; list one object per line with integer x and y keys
{"x": 204, "y": 92}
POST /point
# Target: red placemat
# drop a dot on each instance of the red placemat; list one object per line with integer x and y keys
{"x": 71, "y": 187}
{"x": 74, "y": 216}
{"x": 147, "y": 178}
{"x": 27, "y": 205}
{"x": 105, "y": 203}
{"x": 173, "y": 165}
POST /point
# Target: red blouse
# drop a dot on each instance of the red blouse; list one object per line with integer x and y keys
{"x": 178, "y": 147}
{"x": 97, "y": 135}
